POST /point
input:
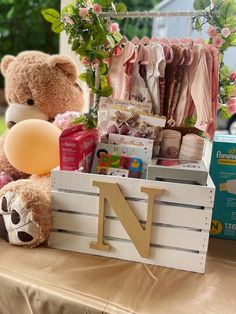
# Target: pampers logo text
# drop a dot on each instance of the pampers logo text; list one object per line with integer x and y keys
{"x": 227, "y": 159}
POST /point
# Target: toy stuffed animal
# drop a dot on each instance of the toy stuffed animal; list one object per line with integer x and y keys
{"x": 37, "y": 86}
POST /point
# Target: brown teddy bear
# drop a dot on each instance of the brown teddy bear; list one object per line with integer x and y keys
{"x": 37, "y": 86}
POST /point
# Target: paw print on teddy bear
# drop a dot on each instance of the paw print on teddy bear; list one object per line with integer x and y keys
{"x": 37, "y": 86}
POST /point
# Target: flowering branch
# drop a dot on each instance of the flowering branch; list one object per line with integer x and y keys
{"x": 220, "y": 15}
{"x": 91, "y": 36}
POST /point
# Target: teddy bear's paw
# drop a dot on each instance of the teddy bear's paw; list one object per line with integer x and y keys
{"x": 16, "y": 224}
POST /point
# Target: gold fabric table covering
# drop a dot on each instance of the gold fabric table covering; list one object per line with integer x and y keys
{"x": 48, "y": 281}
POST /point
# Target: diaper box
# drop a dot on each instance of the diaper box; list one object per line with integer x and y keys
{"x": 223, "y": 173}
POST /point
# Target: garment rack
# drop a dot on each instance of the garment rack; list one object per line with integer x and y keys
{"x": 149, "y": 14}
{"x": 144, "y": 14}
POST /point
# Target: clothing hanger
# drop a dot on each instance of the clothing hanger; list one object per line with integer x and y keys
{"x": 154, "y": 39}
{"x": 184, "y": 40}
{"x": 145, "y": 41}
{"x": 174, "y": 41}
{"x": 200, "y": 40}
{"x": 165, "y": 41}
{"x": 135, "y": 41}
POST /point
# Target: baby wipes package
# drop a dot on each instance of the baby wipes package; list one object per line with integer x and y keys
{"x": 223, "y": 173}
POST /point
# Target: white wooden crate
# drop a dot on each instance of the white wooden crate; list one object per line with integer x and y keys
{"x": 180, "y": 222}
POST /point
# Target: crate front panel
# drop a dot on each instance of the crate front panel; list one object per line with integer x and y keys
{"x": 172, "y": 192}
{"x": 163, "y": 213}
{"x": 181, "y": 219}
{"x": 161, "y": 256}
{"x": 161, "y": 235}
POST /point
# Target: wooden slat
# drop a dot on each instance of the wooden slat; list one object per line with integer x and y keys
{"x": 173, "y": 192}
{"x": 161, "y": 235}
{"x": 125, "y": 250}
{"x": 164, "y": 214}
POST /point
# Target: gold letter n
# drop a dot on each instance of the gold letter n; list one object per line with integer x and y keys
{"x": 139, "y": 235}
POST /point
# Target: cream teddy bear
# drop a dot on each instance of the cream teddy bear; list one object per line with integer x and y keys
{"x": 37, "y": 86}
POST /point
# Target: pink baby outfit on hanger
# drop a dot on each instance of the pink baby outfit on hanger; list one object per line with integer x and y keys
{"x": 201, "y": 90}
{"x": 215, "y": 90}
{"x": 119, "y": 76}
{"x": 196, "y": 89}
{"x": 154, "y": 70}
{"x": 138, "y": 89}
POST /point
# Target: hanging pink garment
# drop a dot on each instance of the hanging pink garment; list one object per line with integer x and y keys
{"x": 169, "y": 55}
{"x": 120, "y": 71}
{"x": 187, "y": 58}
{"x": 154, "y": 70}
{"x": 201, "y": 90}
{"x": 215, "y": 90}
{"x": 138, "y": 89}
{"x": 196, "y": 89}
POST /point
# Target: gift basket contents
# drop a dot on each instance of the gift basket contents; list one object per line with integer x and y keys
{"x": 163, "y": 104}
{"x": 130, "y": 141}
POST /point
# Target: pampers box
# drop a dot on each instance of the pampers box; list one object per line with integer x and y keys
{"x": 223, "y": 173}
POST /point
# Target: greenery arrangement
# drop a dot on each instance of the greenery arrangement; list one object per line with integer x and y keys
{"x": 91, "y": 36}
{"x": 220, "y": 15}
{"x": 22, "y": 28}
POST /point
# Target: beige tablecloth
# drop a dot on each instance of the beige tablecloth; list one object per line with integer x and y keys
{"x": 48, "y": 281}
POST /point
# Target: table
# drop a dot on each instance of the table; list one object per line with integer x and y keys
{"x": 50, "y": 281}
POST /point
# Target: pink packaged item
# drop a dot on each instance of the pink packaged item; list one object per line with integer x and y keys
{"x": 77, "y": 147}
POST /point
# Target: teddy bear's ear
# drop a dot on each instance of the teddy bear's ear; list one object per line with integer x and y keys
{"x": 5, "y": 63}
{"x": 66, "y": 64}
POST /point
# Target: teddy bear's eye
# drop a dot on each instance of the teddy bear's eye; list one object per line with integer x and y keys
{"x": 30, "y": 102}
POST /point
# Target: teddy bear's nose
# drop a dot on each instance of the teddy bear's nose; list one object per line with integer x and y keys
{"x": 10, "y": 124}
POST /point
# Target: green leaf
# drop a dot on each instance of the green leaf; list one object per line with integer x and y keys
{"x": 201, "y": 4}
{"x": 117, "y": 37}
{"x": 82, "y": 50}
{"x": 90, "y": 79}
{"x": 57, "y": 27}
{"x": 103, "y": 69}
{"x": 106, "y": 91}
{"x": 51, "y": 15}
{"x": 232, "y": 39}
{"x": 67, "y": 9}
{"x": 120, "y": 7}
{"x": 100, "y": 54}
{"x": 226, "y": 13}
{"x": 104, "y": 3}
{"x": 190, "y": 121}
{"x": 75, "y": 45}
{"x": 111, "y": 40}
{"x": 198, "y": 25}
{"x": 230, "y": 89}
{"x": 83, "y": 77}
{"x": 225, "y": 114}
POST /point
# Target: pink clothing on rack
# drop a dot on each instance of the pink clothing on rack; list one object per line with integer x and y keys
{"x": 201, "y": 90}
{"x": 154, "y": 70}
{"x": 169, "y": 55}
{"x": 215, "y": 90}
{"x": 120, "y": 71}
{"x": 138, "y": 89}
{"x": 196, "y": 88}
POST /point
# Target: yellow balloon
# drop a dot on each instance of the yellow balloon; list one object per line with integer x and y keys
{"x": 32, "y": 146}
